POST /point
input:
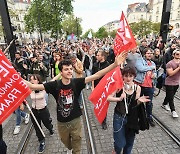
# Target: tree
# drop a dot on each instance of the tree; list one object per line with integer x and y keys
{"x": 71, "y": 24}
{"x": 101, "y": 33}
{"x": 87, "y": 32}
{"x": 156, "y": 27}
{"x": 113, "y": 33}
{"x": 47, "y": 15}
{"x": 143, "y": 28}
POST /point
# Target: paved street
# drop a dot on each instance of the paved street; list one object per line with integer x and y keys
{"x": 153, "y": 141}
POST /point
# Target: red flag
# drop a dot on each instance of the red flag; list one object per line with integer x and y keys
{"x": 124, "y": 39}
{"x": 108, "y": 84}
{"x": 13, "y": 89}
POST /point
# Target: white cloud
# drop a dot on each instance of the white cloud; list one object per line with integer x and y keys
{"x": 96, "y": 13}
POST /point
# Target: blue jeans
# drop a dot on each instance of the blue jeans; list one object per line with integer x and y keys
{"x": 123, "y": 138}
{"x": 19, "y": 114}
{"x": 147, "y": 91}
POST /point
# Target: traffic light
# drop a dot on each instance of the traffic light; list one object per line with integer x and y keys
{"x": 170, "y": 28}
{"x": 167, "y": 28}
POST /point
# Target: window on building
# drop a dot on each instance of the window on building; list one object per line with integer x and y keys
{"x": 172, "y": 6}
{"x": 142, "y": 16}
{"x": 156, "y": 18}
{"x": 19, "y": 27}
{"x": 178, "y": 15}
{"x": 171, "y": 15}
{"x": 157, "y": 11}
{"x": 150, "y": 18}
{"x": 177, "y": 25}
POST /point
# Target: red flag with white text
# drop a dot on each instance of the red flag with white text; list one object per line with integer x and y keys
{"x": 108, "y": 84}
{"x": 13, "y": 89}
{"x": 124, "y": 39}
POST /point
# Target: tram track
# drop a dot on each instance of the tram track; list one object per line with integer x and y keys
{"x": 165, "y": 128}
{"x": 91, "y": 148}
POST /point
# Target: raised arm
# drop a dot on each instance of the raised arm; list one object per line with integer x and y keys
{"x": 35, "y": 86}
{"x": 119, "y": 60}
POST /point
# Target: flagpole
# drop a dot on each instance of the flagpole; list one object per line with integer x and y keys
{"x": 34, "y": 118}
{"x": 125, "y": 103}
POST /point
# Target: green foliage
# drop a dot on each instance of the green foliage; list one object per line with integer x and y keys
{"x": 156, "y": 27}
{"x": 113, "y": 33}
{"x": 87, "y": 32}
{"x": 143, "y": 28}
{"x": 71, "y": 24}
{"x": 47, "y": 14}
{"x": 101, "y": 33}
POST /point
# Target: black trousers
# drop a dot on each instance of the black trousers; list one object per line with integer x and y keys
{"x": 43, "y": 116}
{"x": 170, "y": 92}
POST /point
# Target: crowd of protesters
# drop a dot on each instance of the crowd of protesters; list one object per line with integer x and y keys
{"x": 87, "y": 58}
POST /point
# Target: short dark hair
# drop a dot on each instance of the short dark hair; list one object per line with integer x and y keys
{"x": 103, "y": 53}
{"x": 36, "y": 77}
{"x": 66, "y": 62}
{"x": 129, "y": 69}
{"x": 147, "y": 49}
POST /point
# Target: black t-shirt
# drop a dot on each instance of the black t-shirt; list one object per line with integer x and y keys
{"x": 97, "y": 67}
{"x": 66, "y": 98}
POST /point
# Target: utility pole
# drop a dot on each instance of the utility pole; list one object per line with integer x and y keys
{"x": 165, "y": 19}
{"x": 6, "y": 22}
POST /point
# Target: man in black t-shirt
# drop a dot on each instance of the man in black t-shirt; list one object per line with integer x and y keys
{"x": 66, "y": 92}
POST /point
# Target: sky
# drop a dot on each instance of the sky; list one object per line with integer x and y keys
{"x": 96, "y": 13}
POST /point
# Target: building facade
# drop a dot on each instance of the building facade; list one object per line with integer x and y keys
{"x": 153, "y": 12}
{"x": 17, "y": 10}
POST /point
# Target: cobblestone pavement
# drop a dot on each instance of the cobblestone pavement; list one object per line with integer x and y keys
{"x": 153, "y": 141}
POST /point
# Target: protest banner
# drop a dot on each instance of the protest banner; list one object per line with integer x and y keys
{"x": 108, "y": 84}
{"x": 124, "y": 39}
{"x": 13, "y": 89}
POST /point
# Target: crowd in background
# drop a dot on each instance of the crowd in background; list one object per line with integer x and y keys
{"x": 88, "y": 56}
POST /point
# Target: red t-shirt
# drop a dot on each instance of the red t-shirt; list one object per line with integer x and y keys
{"x": 147, "y": 80}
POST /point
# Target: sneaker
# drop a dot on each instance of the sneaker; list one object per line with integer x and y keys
{"x": 166, "y": 107}
{"x": 16, "y": 130}
{"x": 42, "y": 147}
{"x": 51, "y": 132}
{"x": 68, "y": 151}
{"x": 174, "y": 114}
{"x": 152, "y": 123}
{"x": 26, "y": 119}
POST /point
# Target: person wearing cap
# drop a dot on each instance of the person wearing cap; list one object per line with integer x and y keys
{"x": 172, "y": 82}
